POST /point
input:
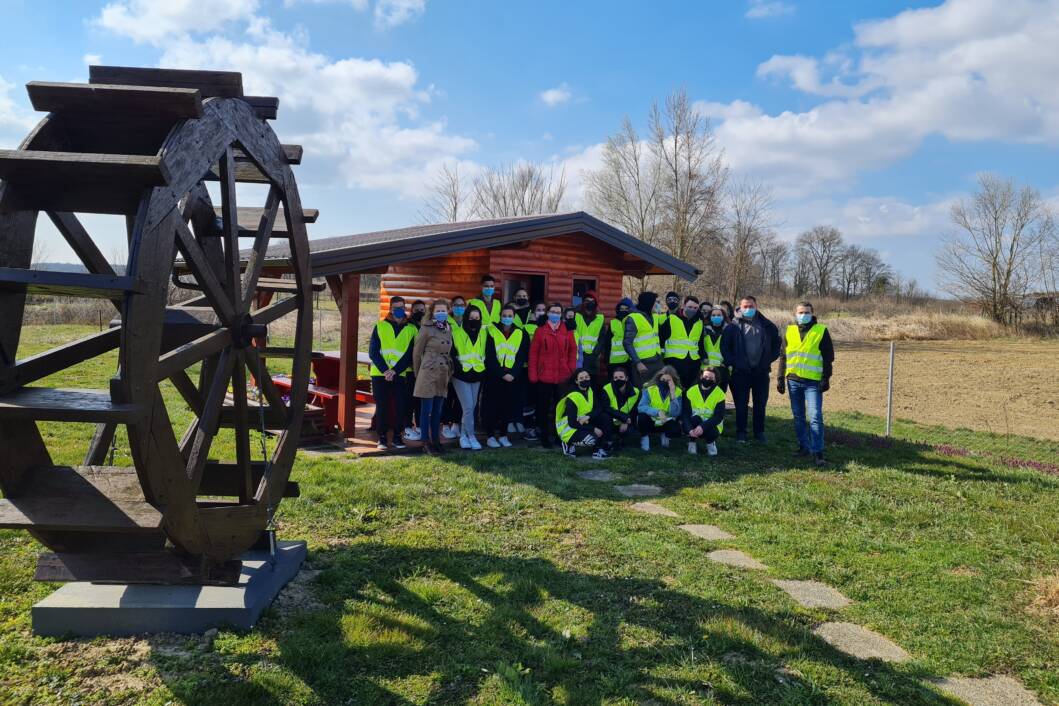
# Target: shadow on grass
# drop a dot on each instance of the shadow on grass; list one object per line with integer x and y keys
{"x": 457, "y": 627}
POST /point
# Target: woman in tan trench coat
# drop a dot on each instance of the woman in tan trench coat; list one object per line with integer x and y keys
{"x": 432, "y": 363}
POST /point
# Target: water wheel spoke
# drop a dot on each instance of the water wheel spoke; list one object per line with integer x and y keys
{"x": 211, "y": 410}
{"x": 184, "y": 385}
{"x": 276, "y": 310}
{"x": 256, "y": 260}
{"x": 199, "y": 264}
{"x": 242, "y": 426}
{"x": 188, "y": 354}
{"x": 257, "y": 368}
{"x": 230, "y": 228}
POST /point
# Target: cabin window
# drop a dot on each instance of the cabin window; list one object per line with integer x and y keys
{"x": 535, "y": 284}
{"x": 582, "y": 285}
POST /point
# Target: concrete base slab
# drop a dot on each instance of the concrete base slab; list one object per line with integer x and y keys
{"x": 988, "y": 691}
{"x": 710, "y": 532}
{"x": 860, "y": 642}
{"x": 638, "y": 490}
{"x": 90, "y": 609}
{"x": 813, "y": 594}
{"x": 600, "y": 474}
{"x": 653, "y": 509}
{"x": 732, "y": 557}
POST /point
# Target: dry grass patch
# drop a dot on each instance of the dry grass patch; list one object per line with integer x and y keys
{"x": 1045, "y": 591}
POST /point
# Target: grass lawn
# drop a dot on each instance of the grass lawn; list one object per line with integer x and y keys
{"x": 503, "y": 578}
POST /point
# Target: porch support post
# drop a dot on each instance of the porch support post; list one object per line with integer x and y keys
{"x": 347, "y": 375}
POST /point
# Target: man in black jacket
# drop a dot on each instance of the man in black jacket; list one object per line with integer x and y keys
{"x": 749, "y": 345}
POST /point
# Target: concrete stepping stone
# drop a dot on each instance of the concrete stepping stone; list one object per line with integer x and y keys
{"x": 710, "y": 532}
{"x": 988, "y": 691}
{"x": 600, "y": 474}
{"x": 638, "y": 490}
{"x": 813, "y": 594}
{"x": 860, "y": 642}
{"x": 732, "y": 557}
{"x": 653, "y": 509}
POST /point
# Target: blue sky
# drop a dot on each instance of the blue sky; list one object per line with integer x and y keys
{"x": 871, "y": 116}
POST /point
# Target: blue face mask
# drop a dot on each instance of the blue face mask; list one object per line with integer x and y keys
{"x": 749, "y": 313}
{"x": 488, "y": 291}
{"x": 804, "y": 318}
{"x": 554, "y": 318}
{"x": 507, "y": 320}
{"x": 441, "y": 316}
{"x": 716, "y": 320}
{"x": 458, "y": 310}
{"x": 398, "y": 312}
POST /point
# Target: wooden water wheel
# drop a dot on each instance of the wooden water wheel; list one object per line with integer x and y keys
{"x": 145, "y": 143}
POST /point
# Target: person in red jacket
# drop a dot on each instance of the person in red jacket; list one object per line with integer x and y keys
{"x": 552, "y": 360}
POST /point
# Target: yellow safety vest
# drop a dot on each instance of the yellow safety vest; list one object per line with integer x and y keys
{"x": 489, "y": 316}
{"x": 803, "y": 354}
{"x": 704, "y": 408}
{"x": 682, "y": 343}
{"x": 584, "y": 406}
{"x": 654, "y": 398}
{"x": 393, "y": 347}
{"x": 617, "y": 350}
{"x": 658, "y": 319}
{"x": 588, "y": 333}
{"x": 713, "y": 349}
{"x": 470, "y": 354}
{"x": 506, "y": 348}
{"x": 646, "y": 342}
{"x": 612, "y": 396}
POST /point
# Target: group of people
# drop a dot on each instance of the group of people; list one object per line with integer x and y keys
{"x": 566, "y": 375}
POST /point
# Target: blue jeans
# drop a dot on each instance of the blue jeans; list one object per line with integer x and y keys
{"x": 430, "y": 418}
{"x": 807, "y": 401}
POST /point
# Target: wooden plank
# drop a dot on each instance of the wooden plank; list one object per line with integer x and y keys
{"x": 230, "y": 418}
{"x": 72, "y": 284}
{"x": 207, "y": 425}
{"x": 224, "y": 480}
{"x": 266, "y": 107}
{"x": 81, "y": 243}
{"x": 65, "y": 405}
{"x": 285, "y": 286}
{"x": 210, "y": 84}
{"x": 216, "y": 291}
{"x": 182, "y": 382}
{"x": 250, "y": 220}
{"x": 63, "y": 169}
{"x": 176, "y": 103}
{"x": 247, "y": 172}
{"x": 159, "y": 567}
{"x": 188, "y": 354}
{"x": 52, "y": 361}
{"x": 255, "y": 261}
{"x": 99, "y": 447}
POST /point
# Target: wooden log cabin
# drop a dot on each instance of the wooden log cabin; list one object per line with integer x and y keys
{"x": 553, "y": 256}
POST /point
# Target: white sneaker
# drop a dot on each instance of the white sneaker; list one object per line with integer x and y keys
{"x": 475, "y": 445}
{"x": 492, "y": 443}
{"x": 411, "y": 434}
{"x": 465, "y": 443}
{"x": 511, "y": 428}
{"x": 520, "y": 427}
{"x": 693, "y": 448}
{"x": 711, "y": 448}
{"x": 665, "y": 441}
{"x": 450, "y": 432}
{"x": 568, "y": 449}
{"x": 505, "y": 442}
{"x": 601, "y": 453}
{"x": 645, "y": 442}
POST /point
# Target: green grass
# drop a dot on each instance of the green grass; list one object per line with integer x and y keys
{"x": 503, "y": 578}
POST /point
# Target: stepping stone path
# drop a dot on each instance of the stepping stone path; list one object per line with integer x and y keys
{"x": 813, "y": 594}
{"x": 989, "y": 691}
{"x": 709, "y": 532}
{"x": 731, "y": 557}
{"x": 600, "y": 474}
{"x": 637, "y": 490}
{"x": 860, "y": 642}
{"x": 653, "y": 509}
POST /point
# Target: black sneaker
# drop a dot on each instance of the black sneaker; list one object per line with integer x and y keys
{"x": 568, "y": 450}
{"x": 740, "y": 437}
{"x": 818, "y": 459}
{"x": 398, "y": 443}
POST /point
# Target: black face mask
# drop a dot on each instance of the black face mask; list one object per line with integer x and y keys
{"x": 417, "y": 316}
{"x": 590, "y": 305}
{"x": 620, "y": 384}
{"x": 473, "y": 325}
{"x": 672, "y": 303}
{"x": 522, "y": 303}
{"x": 707, "y": 384}
{"x": 571, "y": 324}
{"x": 583, "y": 384}
{"x": 622, "y": 314}
{"x": 542, "y": 319}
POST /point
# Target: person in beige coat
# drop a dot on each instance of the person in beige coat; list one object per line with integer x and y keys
{"x": 432, "y": 362}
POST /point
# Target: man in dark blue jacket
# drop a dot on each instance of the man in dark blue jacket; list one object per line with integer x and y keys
{"x": 749, "y": 345}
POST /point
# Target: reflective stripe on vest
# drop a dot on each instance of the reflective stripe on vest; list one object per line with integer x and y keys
{"x": 588, "y": 333}
{"x": 646, "y": 342}
{"x": 612, "y": 397}
{"x": 584, "y": 406}
{"x": 654, "y": 398}
{"x": 704, "y": 408}
{"x": 617, "y": 335}
{"x": 803, "y": 354}
{"x": 681, "y": 342}
{"x": 713, "y": 349}
{"x": 470, "y": 354}
{"x": 506, "y": 348}
{"x": 393, "y": 347}
{"x": 489, "y": 317}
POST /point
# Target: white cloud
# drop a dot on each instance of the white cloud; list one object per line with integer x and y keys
{"x": 151, "y": 21}
{"x": 15, "y": 121}
{"x": 555, "y": 96}
{"x": 761, "y": 9}
{"x": 390, "y": 13}
{"x": 92, "y": 59}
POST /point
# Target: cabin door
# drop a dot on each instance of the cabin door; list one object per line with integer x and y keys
{"x": 581, "y": 286}
{"x": 535, "y": 284}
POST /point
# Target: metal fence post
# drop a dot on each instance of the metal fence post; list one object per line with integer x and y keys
{"x": 890, "y": 394}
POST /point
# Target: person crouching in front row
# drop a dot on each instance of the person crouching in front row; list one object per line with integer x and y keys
{"x": 620, "y": 398}
{"x": 580, "y": 419}
{"x": 704, "y": 409}
{"x": 659, "y": 408}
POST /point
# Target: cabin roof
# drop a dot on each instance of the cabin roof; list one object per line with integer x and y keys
{"x": 364, "y": 252}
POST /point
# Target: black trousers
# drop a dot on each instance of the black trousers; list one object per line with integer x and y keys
{"x": 390, "y": 404}
{"x": 548, "y": 395}
{"x": 709, "y": 434}
{"x": 744, "y": 386}
{"x": 500, "y": 404}
{"x": 584, "y": 431}
{"x": 647, "y": 425}
{"x": 687, "y": 369}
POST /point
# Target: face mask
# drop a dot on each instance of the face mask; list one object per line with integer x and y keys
{"x": 583, "y": 384}
{"x": 472, "y": 325}
{"x": 488, "y": 291}
{"x": 716, "y": 320}
{"x": 507, "y": 320}
{"x": 622, "y": 313}
{"x": 657, "y": 308}
{"x": 672, "y": 304}
{"x": 458, "y": 310}
{"x": 541, "y": 319}
{"x": 749, "y": 313}
{"x": 690, "y": 313}
{"x": 664, "y": 384}
{"x": 571, "y": 324}
{"x": 805, "y": 318}
{"x": 590, "y": 305}
{"x": 554, "y": 318}
{"x": 620, "y": 383}
{"x": 417, "y": 316}
{"x": 398, "y": 312}
{"x": 576, "y": 300}
{"x": 441, "y": 316}
{"x": 706, "y": 384}
{"x": 522, "y": 301}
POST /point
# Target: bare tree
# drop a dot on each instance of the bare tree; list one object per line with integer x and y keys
{"x": 819, "y": 249}
{"x": 523, "y": 189}
{"x": 40, "y": 253}
{"x": 749, "y": 216}
{"x": 991, "y": 258}
{"x": 446, "y": 201}
{"x": 774, "y": 255}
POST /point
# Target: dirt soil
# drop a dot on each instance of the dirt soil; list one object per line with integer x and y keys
{"x": 999, "y": 385}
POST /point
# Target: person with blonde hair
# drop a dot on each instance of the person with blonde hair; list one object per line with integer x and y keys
{"x": 660, "y": 407}
{"x": 432, "y": 361}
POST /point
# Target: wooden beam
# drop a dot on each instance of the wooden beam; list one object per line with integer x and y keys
{"x": 176, "y": 103}
{"x": 65, "y": 405}
{"x": 219, "y": 84}
{"x": 334, "y": 283}
{"x": 347, "y": 368}
{"x": 266, "y": 107}
{"x": 135, "y": 568}
{"x": 52, "y": 361}
{"x": 71, "y": 284}
{"x": 55, "y": 168}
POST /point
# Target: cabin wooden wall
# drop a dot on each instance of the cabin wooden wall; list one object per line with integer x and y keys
{"x": 447, "y": 276}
